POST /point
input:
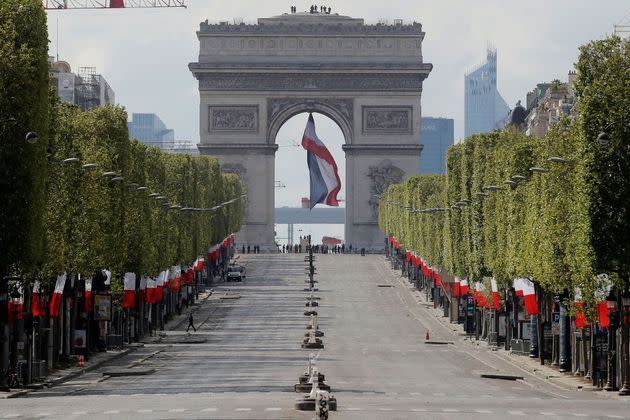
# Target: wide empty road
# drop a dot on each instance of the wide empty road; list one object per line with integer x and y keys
{"x": 245, "y": 358}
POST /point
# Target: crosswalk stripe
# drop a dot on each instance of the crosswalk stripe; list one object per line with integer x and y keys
{"x": 176, "y": 410}
{"x": 243, "y": 409}
{"x": 144, "y": 410}
{"x": 273, "y": 409}
{"x": 516, "y": 413}
{"x": 206, "y": 410}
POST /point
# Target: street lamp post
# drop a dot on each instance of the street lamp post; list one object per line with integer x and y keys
{"x": 625, "y": 347}
{"x": 611, "y": 380}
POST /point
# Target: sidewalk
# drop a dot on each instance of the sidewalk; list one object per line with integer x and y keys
{"x": 58, "y": 376}
{"x": 97, "y": 360}
{"x": 546, "y": 372}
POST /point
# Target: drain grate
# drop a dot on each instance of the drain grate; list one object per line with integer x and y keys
{"x": 384, "y": 285}
{"x": 500, "y": 376}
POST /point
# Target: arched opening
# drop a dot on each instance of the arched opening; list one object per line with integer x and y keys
{"x": 292, "y": 178}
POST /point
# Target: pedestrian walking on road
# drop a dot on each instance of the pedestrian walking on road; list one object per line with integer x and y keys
{"x": 190, "y": 323}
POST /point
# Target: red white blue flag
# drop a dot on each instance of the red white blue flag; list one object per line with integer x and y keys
{"x": 325, "y": 182}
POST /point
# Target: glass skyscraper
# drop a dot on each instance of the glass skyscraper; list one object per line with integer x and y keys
{"x": 485, "y": 109}
{"x": 437, "y": 135}
{"x": 149, "y": 129}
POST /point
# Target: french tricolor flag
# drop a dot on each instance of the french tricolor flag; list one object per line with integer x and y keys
{"x": 325, "y": 182}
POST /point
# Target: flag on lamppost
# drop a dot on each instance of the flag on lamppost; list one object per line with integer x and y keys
{"x": 36, "y": 304}
{"x": 55, "y": 302}
{"x": 324, "y": 175}
{"x": 129, "y": 293}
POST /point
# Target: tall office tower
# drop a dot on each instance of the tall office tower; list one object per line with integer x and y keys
{"x": 149, "y": 129}
{"x": 485, "y": 109}
{"x": 437, "y": 136}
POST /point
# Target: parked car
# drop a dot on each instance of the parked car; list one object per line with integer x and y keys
{"x": 236, "y": 273}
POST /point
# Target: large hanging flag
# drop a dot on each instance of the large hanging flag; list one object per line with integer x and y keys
{"x": 57, "y": 296}
{"x": 325, "y": 182}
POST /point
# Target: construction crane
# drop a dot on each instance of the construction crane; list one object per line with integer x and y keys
{"x": 110, "y": 4}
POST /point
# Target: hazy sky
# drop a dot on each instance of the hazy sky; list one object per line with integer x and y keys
{"x": 144, "y": 54}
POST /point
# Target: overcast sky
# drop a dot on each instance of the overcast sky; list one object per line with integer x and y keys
{"x": 144, "y": 55}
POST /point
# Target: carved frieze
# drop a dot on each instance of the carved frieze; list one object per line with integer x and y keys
{"x": 381, "y": 177}
{"x": 276, "y": 106}
{"x": 387, "y": 119}
{"x": 233, "y": 118}
{"x": 414, "y": 29}
{"x": 299, "y": 81}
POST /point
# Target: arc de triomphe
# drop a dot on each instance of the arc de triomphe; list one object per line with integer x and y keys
{"x": 367, "y": 78}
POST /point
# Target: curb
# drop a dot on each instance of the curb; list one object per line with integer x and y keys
{"x": 72, "y": 375}
{"x": 557, "y": 381}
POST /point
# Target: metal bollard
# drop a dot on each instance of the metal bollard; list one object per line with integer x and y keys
{"x": 321, "y": 405}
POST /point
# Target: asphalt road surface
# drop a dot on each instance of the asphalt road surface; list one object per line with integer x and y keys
{"x": 246, "y": 357}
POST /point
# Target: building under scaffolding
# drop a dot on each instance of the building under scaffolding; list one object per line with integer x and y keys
{"x": 86, "y": 89}
{"x": 92, "y": 89}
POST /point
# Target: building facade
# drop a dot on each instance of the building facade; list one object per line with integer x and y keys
{"x": 547, "y": 104}
{"x": 437, "y": 135}
{"x": 485, "y": 108}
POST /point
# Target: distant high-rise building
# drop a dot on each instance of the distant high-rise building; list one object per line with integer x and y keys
{"x": 485, "y": 109}
{"x": 437, "y": 136}
{"x": 87, "y": 89}
{"x": 149, "y": 129}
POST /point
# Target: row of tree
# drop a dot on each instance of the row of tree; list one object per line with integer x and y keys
{"x": 556, "y": 209}
{"x": 82, "y": 197}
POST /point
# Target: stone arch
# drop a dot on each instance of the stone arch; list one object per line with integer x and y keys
{"x": 280, "y": 110}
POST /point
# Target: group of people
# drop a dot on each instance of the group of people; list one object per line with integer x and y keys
{"x": 291, "y": 249}
{"x": 315, "y": 9}
{"x": 251, "y": 249}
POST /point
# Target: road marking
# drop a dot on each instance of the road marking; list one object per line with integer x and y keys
{"x": 273, "y": 409}
{"x": 450, "y": 410}
{"x": 385, "y": 409}
{"x": 516, "y": 413}
{"x": 439, "y": 394}
{"x": 111, "y": 412}
{"x": 205, "y": 410}
{"x": 483, "y": 411}
{"x": 243, "y": 409}
{"x": 418, "y": 410}
{"x": 580, "y": 415}
{"x": 176, "y": 410}
{"x": 613, "y": 416}
{"x": 79, "y": 413}
{"x": 11, "y": 416}
{"x": 353, "y": 409}
{"x": 415, "y": 393}
{"x": 368, "y": 392}
{"x": 547, "y": 413}
{"x": 144, "y": 410}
